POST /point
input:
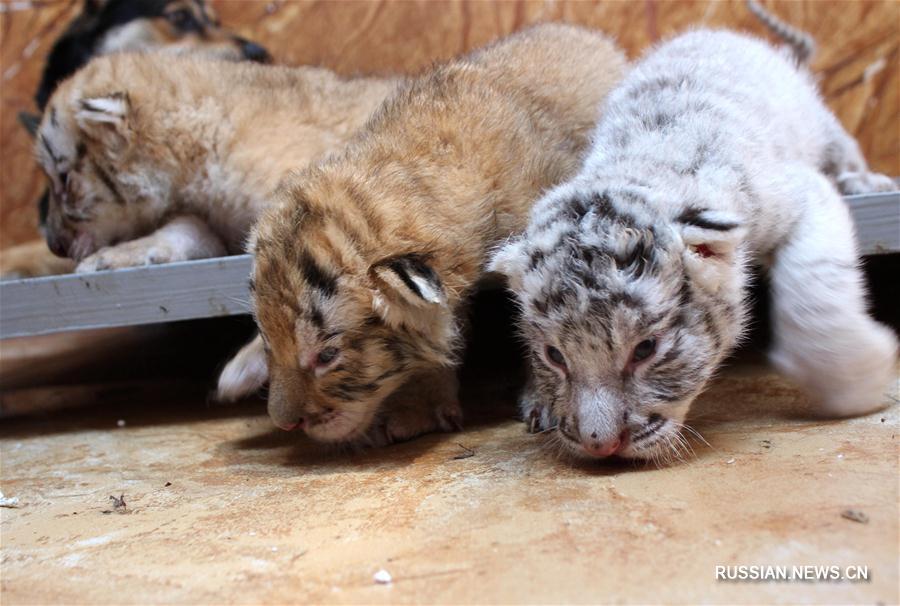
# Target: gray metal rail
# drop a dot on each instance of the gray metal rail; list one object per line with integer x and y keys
{"x": 219, "y": 287}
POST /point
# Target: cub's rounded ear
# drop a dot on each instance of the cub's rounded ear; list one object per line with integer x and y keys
{"x": 711, "y": 233}
{"x": 408, "y": 279}
{"x": 30, "y": 121}
{"x": 105, "y": 117}
{"x": 711, "y": 239}
{"x": 508, "y": 261}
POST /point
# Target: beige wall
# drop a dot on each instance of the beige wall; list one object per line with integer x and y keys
{"x": 857, "y": 59}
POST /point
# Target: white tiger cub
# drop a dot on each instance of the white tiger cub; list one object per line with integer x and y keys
{"x": 714, "y": 152}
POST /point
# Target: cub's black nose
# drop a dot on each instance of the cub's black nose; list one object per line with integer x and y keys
{"x": 253, "y": 51}
{"x": 58, "y": 244}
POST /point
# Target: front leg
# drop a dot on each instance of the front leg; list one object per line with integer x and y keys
{"x": 428, "y": 402}
{"x": 824, "y": 339}
{"x": 182, "y": 239}
{"x": 245, "y": 373}
{"x": 534, "y": 408}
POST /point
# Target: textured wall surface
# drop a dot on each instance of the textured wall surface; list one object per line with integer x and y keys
{"x": 857, "y": 59}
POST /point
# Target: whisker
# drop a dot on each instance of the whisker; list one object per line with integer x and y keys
{"x": 675, "y": 448}
{"x": 693, "y": 432}
{"x": 247, "y": 305}
{"x": 687, "y": 445}
{"x": 684, "y": 446}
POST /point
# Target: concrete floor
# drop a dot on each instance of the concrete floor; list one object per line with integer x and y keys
{"x": 222, "y": 509}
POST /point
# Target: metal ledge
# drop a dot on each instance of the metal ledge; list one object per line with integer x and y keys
{"x": 219, "y": 287}
{"x": 123, "y": 297}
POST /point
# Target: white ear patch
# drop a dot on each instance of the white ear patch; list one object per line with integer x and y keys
{"x": 711, "y": 233}
{"x": 427, "y": 290}
{"x": 711, "y": 241}
{"x": 105, "y": 119}
{"x": 109, "y": 109}
{"x": 410, "y": 279}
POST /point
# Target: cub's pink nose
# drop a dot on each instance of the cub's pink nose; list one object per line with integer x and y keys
{"x": 599, "y": 449}
{"x": 290, "y": 425}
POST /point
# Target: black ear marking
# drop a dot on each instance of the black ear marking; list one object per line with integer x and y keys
{"x": 705, "y": 218}
{"x": 30, "y": 121}
{"x": 413, "y": 274}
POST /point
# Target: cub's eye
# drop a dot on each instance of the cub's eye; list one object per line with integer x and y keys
{"x": 182, "y": 19}
{"x": 326, "y": 356}
{"x": 556, "y": 357}
{"x": 643, "y": 350}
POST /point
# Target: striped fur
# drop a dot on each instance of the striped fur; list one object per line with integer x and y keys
{"x": 132, "y": 142}
{"x": 715, "y": 151}
{"x": 370, "y": 256}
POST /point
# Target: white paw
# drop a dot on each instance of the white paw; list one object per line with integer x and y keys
{"x": 850, "y": 183}
{"x": 129, "y": 254}
{"x": 244, "y": 374}
{"x": 850, "y": 376}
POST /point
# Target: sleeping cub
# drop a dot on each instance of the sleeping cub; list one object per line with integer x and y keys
{"x": 363, "y": 267}
{"x": 154, "y": 158}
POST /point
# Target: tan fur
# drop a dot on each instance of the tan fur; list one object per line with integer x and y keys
{"x": 207, "y": 39}
{"x": 147, "y": 137}
{"x": 447, "y": 169}
{"x": 32, "y": 259}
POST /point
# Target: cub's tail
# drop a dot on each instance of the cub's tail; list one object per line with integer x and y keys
{"x": 802, "y": 45}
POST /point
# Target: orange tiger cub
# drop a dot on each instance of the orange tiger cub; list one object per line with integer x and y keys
{"x": 364, "y": 264}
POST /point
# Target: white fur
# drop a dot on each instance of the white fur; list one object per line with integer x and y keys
{"x": 182, "y": 239}
{"x": 715, "y": 151}
{"x": 245, "y": 373}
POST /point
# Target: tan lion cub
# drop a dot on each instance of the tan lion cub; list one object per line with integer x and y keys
{"x": 155, "y": 158}
{"x": 363, "y": 267}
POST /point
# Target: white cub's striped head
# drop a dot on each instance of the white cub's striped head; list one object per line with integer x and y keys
{"x": 626, "y": 316}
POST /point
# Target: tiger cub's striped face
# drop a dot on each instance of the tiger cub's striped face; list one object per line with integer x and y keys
{"x": 85, "y": 146}
{"x": 340, "y": 334}
{"x": 626, "y": 317}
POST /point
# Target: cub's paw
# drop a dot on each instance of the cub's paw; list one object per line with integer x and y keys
{"x": 850, "y": 183}
{"x": 424, "y": 405}
{"x": 536, "y": 415}
{"x": 404, "y": 424}
{"x": 245, "y": 373}
{"x": 128, "y": 254}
